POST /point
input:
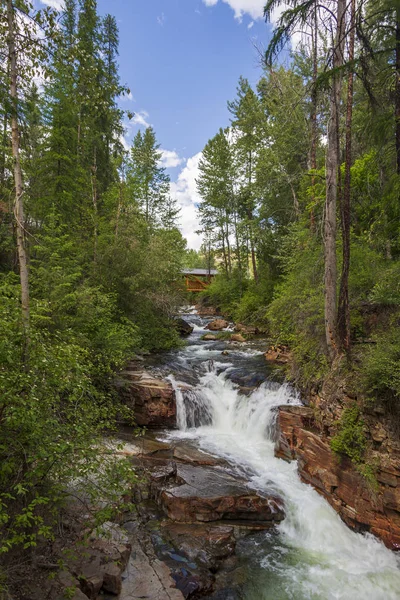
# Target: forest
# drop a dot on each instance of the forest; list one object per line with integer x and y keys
{"x": 300, "y": 213}
{"x": 300, "y": 195}
{"x": 90, "y": 257}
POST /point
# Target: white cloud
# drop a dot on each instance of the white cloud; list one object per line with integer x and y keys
{"x": 57, "y": 4}
{"x": 140, "y": 118}
{"x": 170, "y": 159}
{"x": 161, "y": 19}
{"x": 124, "y": 142}
{"x": 185, "y": 192}
{"x": 254, "y": 8}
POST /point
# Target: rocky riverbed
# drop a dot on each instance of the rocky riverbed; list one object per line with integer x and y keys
{"x": 215, "y": 513}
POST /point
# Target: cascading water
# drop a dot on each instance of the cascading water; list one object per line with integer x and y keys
{"x": 314, "y": 556}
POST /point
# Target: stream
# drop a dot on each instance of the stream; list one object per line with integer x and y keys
{"x": 229, "y": 411}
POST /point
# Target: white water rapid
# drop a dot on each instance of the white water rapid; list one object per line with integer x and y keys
{"x": 315, "y": 555}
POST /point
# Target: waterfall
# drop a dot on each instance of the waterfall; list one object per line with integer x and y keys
{"x": 316, "y": 556}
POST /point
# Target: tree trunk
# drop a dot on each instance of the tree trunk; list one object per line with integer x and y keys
{"x": 4, "y": 148}
{"x": 332, "y": 167}
{"x": 238, "y": 254}
{"x": 228, "y": 245}
{"x": 344, "y": 308}
{"x": 250, "y": 218}
{"x": 224, "y": 251}
{"x": 18, "y": 181}
{"x": 95, "y": 206}
{"x": 397, "y": 97}
{"x": 314, "y": 109}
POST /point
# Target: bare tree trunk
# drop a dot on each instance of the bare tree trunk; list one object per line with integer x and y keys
{"x": 19, "y": 190}
{"x": 344, "y": 307}
{"x": 95, "y": 207}
{"x": 238, "y": 254}
{"x": 250, "y": 218}
{"x": 332, "y": 167}
{"x": 224, "y": 251}
{"x": 228, "y": 245}
{"x": 4, "y": 144}
{"x": 314, "y": 104}
{"x": 296, "y": 206}
{"x": 397, "y": 93}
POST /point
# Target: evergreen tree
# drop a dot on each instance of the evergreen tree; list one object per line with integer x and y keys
{"x": 146, "y": 178}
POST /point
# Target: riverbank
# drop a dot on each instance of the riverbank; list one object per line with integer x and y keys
{"x": 311, "y": 551}
{"x": 214, "y": 513}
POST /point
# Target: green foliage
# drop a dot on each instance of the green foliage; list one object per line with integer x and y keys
{"x": 386, "y": 290}
{"x": 380, "y": 366}
{"x": 296, "y": 312}
{"x": 350, "y": 439}
{"x": 53, "y": 416}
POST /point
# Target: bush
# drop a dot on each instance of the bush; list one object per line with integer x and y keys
{"x": 380, "y": 365}
{"x": 350, "y": 439}
{"x": 54, "y": 411}
{"x": 296, "y": 314}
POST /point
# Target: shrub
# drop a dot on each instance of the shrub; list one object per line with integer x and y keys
{"x": 350, "y": 439}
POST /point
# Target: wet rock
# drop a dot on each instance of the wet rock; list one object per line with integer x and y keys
{"x": 189, "y": 584}
{"x": 152, "y": 400}
{"x": 189, "y": 454}
{"x": 237, "y": 337}
{"x": 225, "y": 353}
{"x": 338, "y": 480}
{"x": 148, "y": 577}
{"x": 217, "y": 325}
{"x": 183, "y": 327}
{"x": 202, "y": 543}
{"x": 204, "y": 494}
{"x": 278, "y": 354}
{"x": 209, "y": 337}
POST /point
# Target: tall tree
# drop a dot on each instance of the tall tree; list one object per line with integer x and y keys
{"x": 147, "y": 178}
{"x": 18, "y": 180}
{"x": 246, "y": 120}
{"x": 343, "y": 318}
{"x": 215, "y": 185}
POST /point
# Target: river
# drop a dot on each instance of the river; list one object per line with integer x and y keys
{"x": 313, "y": 555}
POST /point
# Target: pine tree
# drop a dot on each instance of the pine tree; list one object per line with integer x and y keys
{"x": 146, "y": 178}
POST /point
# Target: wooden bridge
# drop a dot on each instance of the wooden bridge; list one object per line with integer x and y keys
{"x": 197, "y": 280}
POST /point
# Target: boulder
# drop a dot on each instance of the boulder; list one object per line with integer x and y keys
{"x": 278, "y": 354}
{"x": 202, "y": 543}
{"x": 112, "y": 578}
{"x": 237, "y": 337}
{"x": 204, "y": 494}
{"x": 152, "y": 400}
{"x": 183, "y": 327}
{"x": 217, "y": 325}
{"x": 209, "y": 337}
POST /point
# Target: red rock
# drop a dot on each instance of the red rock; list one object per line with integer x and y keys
{"x": 237, "y": 337}
{"x": 152, "y": 400}
{"x": 278, "y": 354}
{"x": 217, "y": 325}
{"x": 205, "y": 495}
{"x": 338, "y": 480}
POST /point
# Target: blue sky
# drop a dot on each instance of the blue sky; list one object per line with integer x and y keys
{"x": 182, "y": 60}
